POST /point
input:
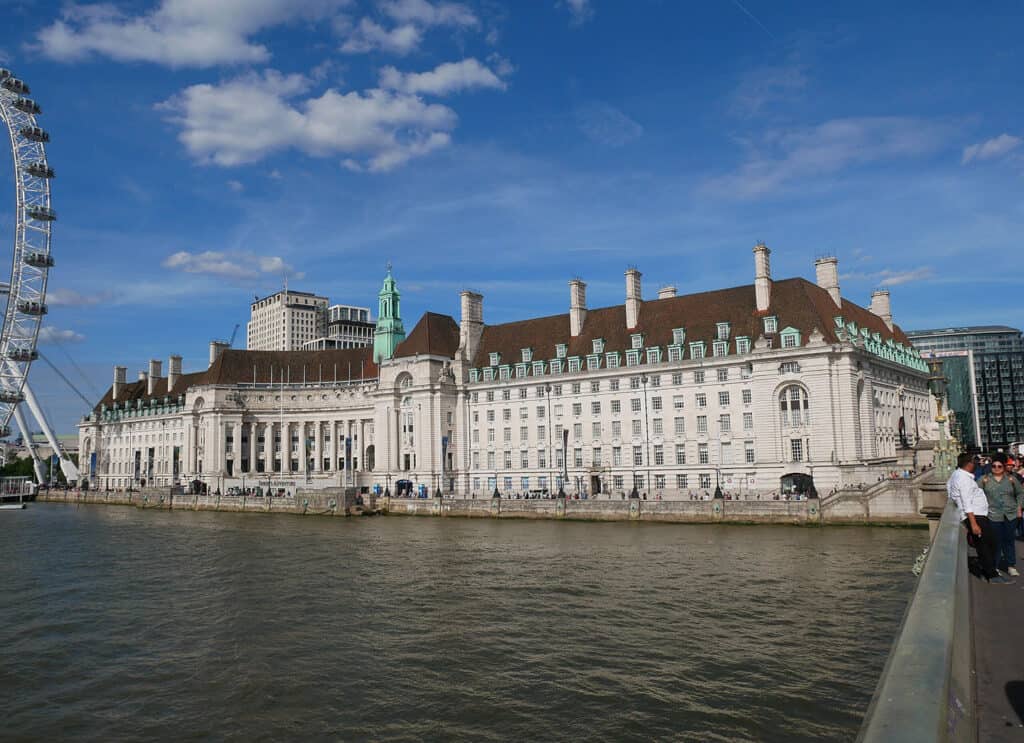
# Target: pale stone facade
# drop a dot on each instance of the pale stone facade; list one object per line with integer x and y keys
{"x": 285, "y": 321}
{"x": 755, "y": 388}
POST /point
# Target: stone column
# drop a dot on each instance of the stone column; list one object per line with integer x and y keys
{"x": 332, "y": 450}
{"x": 362, "y": 445}
{"x": 286, "y": 447}
{"x": 268, "y": 448}
{"x": 318, "y": 462}
{"x": 253, "y": 427}
{"x": 236, "y": 447}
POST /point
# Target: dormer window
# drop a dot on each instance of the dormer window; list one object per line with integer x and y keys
{"x": 654, "y": 355}
{"x": 611, "y": 360}
{"x": 771, "y": 324}
{"x": 495, "y": 358}
{"x": 488, "y": 374}
{"x": 593, "y": 362}
{"x": 790, "y": 338}
{"x": 474, "y": 375}
{"x": 679, "y": 336}
{"x": 723, "y": 331}
{"x": 522, "y": 370}
{"x": 742, "y": 344}
{"x": 720, "y": 348}
{"x": 632, "y": 357}
{"x": 538, "y": 368}
{"x": 505, "y": 372}
{"x": 574, "y": 364}
{"x": 636, "y": 340}
{"x": 675, "y": 353}
{"x": 599, "y": 345}
{"x": 560, "y": 350}
{"x": 527, "y": 355}
{"x": 697, "y": 350}
{"x": 556, "y": 366}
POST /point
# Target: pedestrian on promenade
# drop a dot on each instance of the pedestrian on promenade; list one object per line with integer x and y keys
{"x": 972, "y": 511}
{"x": 1005, "y": 501}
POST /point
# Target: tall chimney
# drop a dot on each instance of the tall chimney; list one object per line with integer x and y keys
{"x": 154, "y": 375}
{"x": 173, "y": 372}
{"x": 827, "y": 274}
{"x": 577, "y": 306}
{"x": 142, "y": 375}
{"x": 633, "y": 298}
{"x": 471, "y": 324}
{"x": 762, "y": 277}
{"x": 881, "y": 306}
{"x": 666, "y": 292}
{"x": 120, "y": 379}
{"x": 216, "y": 349}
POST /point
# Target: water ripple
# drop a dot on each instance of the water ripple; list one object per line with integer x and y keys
{"x": 130, "y": 625}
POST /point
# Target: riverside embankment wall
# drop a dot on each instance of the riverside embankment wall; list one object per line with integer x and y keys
{"x": 898, "y": 510}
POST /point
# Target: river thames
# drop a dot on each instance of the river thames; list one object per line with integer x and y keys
{"x": 120, "y": 624}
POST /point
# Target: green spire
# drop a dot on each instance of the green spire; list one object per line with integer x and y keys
{"x": 389, "y": 332}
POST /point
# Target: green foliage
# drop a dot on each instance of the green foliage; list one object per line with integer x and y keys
{"x": 18, "y": 468}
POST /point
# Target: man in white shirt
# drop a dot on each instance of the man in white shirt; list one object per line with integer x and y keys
{"x": 972, "y": 510}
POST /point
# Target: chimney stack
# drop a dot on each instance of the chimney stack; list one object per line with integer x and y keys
{"x": 173, "y": 372}
{"x": 577, "y": 306}
{"x": 120, "y": 379}
{"x": 471, "y": 324}
{"x": 154, "y": 376}
{"x": 881, "y": 306}
{"x": 216, "y": 349}
{"x": 762, "y": 277}
{"x": 666, "y": 292}
{"x": 142, "y": 375}
{"x": 633, "y": 298}
{"x": 827, "y": 274}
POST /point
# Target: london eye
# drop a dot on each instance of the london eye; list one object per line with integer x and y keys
{"x": 31, "y": 261}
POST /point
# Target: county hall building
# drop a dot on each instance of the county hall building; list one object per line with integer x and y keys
{"x": 756, "y": 388}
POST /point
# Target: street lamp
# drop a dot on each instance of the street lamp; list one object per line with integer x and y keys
{"x": 718, "y": 483}
{"x": 903, "y": 419}
{"x": 945, "y": 452}
{"x": 551, "y": 429}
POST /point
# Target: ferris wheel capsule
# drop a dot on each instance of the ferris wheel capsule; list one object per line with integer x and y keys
{"x": 15, "y": 85}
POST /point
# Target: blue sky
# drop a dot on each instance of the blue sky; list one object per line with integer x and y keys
{"x": 204, "y": 150}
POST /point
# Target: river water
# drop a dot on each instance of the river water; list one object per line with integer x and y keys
{"x": 121, "y": 624}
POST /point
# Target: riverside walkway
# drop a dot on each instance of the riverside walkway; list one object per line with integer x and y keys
{"x": 997, "y": 616}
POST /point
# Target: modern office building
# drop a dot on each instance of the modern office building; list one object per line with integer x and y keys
{"x": 285, "y": 321}
{"x": 347, "y": 327}
{"x": 757, "y": 388}
{"x": 998, "y": 361}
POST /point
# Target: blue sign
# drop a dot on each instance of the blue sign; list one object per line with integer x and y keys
{"x": 92, "y": 465}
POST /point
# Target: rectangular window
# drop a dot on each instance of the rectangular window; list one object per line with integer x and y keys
{"x": 638, "y": 456}
{"x": 636, "y": 427}
{"x": 577, "y": 431}
{"x": 595, "y": 408}
{"x": 789, "y": 340}
{"x": 748, "y": 421}
{"x": 593, "y": 362}
{"x": 557, "y": 389}
{"x": 723, "y": 399}
{"x": 702, "y": 400}
{"x": 524, "y": 413}
{"x": 490, "y": 416}
{"x": 770, "y": 325}
{"x": 634, "y": 404}
{"x": 596, "y": 456}
{"x": 655, "y": 380}
{"x": 616, "y": 407}
{"x": 488, "y": 374}
{"x": 723, "y": 375}
{"x": 616, "y": 456}
{"x": 577, "y": 409}
{"x": 617, "y": 482}
{"x": 540, "y": 411}
{"x": 698, "y": 377}
{"x": 659, "y": 482}
{"x": 749, "y": 451}
{"x": 697, "y": 350}
{"x": 524, "y": 483}
{"x": 677, "y": 377}
{"x": 524, "y": 433}
{"x": 702, "y": 454}
{"x": 720, "y": 348}
{"x": 742, "y": 345}
{"x": 616, "y": 429}
{"x": 524, "y": 460}
{"x": 577, "y": 458}
{"x": 611, "y": 360}
{"x": 747, "y": 397}
{"x": 636, "y": 340}
{"x": 677, "y": 402}
{"x": 632, "y": 358}
{"x": 658, "y": 426}
{"x": 555, "y": 366}
{"x": 490, "y": 460}
{"x": 653, "y": 355}
{"x": 595, "y": 387}
{"x": 680, "y": 454}
{"x": 634, "y": 383}
{"x": 681, "y": 482}
{"x": 542, "y": 459}
{"x": 705, "y": 480}
{"x": 527, "y": 355}
{"x": 796, "y": 449}
{"x": 507, "y": 435}
{"x": 506, "y": 414}
{"x": 495, "y": 358}
{"x": 560, "y": 350}
{"x": 722, "y": 331}
{"x": 656, "y": 404}
{"x": 598, "y": 345}
{"x": 659, "y": 454}
{"x": 541, "y": 433}
{"x": 678, "y": 336}
{"x": 675, "y": 353}
{"x": 595, "y": 430}
{"x": 724, "y": 423}
{"x": 490, "y": 435}
{"x": 538, "y": 371}
{"x": 558, "y": 411}
{"x": 574, "y": 365}
{"x": 702, "y": 424}
{"x": 613, "y": 385}
{"x": 679, "y": 426}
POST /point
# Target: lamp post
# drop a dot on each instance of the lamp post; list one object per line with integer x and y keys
{"x": 902, "y": 426}
{"x": 945, "y": 452}
{"x": 718, "y": 483}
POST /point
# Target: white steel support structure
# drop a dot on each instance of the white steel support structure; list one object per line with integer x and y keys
{"x": 30, "y": 260}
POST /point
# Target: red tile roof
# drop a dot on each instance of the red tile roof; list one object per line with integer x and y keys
{"x": 434, "y": 334}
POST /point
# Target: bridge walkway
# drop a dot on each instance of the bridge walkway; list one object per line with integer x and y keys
{"x": 997, "y": 615}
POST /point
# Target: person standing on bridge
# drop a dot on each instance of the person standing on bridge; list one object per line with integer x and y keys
{"x": 1005, "y": 501}
{"x": 972, "y": 511}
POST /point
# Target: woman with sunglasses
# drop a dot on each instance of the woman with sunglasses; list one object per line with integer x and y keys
{"x": 1005, "y": 501}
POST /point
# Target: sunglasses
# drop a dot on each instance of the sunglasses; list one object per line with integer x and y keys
{"x": 997, "y": 466}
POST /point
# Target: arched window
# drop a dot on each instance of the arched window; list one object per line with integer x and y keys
{"x": 793, "y": 406}
{"x": 407, "y": 422}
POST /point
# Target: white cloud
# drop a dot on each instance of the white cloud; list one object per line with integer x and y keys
{"x": 889, "y": 277}
{"x": 606, "y": 125}
{"x": 228, "y": 265}
{"x": 763, "y": 86}
{"x": 236, "y": 186}
{"x": 178, "y": 33}
{"x": 991, "y": 148}
{"x": 780, "y": 157}
{"x": 450, "y": 77}
{"x": 245, "y": 119}
{"x": 50, "y": 334}
{"x": 70, "y": 298}
{"x": 581, "y": 10}
{"x": 430, "y": 14}
{"x": 369, "y": 35}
